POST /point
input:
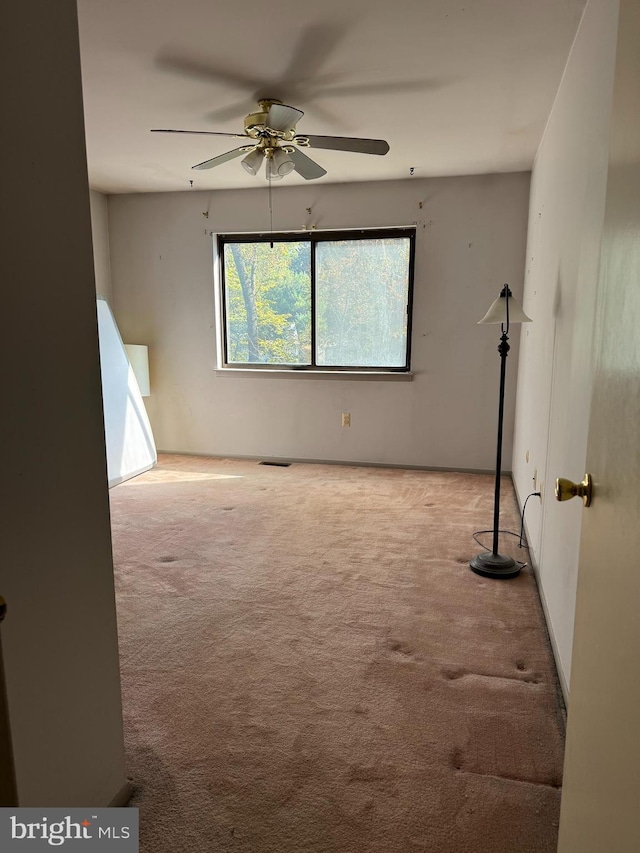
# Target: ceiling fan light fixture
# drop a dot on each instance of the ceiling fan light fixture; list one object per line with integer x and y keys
{"x": 252, "y": 162}
{"x": 282, "y": 163}
{"x": 272, "y": 171}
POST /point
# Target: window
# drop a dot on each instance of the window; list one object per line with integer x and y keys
{"x": 318, "y": 301}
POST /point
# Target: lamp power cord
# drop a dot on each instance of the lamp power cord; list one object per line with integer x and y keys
{"x": 524, "y": 507}
{"x": 519, "y": 536}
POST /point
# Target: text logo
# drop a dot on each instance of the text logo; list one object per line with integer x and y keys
{"x": 71, "y": 829}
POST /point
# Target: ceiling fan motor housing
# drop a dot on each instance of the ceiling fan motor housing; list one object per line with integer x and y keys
{"x": 255, "y": 124}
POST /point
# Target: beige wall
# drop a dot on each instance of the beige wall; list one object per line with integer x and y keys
{"x": 471, "y": 240}
{"x": 100, "y": 237}
{"x": 555, "y": 371}
{"x": 59, "y": 638}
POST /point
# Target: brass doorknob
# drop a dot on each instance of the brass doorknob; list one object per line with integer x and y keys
{"x": 565, "y": 489}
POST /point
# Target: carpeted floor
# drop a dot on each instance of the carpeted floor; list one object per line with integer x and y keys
{"x": 308, "y": 664}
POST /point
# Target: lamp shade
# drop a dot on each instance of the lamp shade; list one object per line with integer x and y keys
{"x": 282, "y": 163}
{"x": 497, "y": 313}
{"x": 252, "y": 162}
{"x": 138, "y": 355}
{"x": 272, "y": 171}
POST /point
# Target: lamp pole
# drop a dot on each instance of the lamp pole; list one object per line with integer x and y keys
{"x": 492, "y": 564}
{"x": 503, "y": 349}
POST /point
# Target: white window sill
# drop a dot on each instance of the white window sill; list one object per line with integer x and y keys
{"x": 275, "y": 373}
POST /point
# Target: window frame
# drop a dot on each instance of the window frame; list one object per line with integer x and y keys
{"x": 313, "y": 238}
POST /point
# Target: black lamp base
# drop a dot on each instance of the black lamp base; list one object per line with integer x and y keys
{"x": 495, "y": 566}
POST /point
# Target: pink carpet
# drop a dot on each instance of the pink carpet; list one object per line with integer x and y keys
{"x": 308, "y": 664}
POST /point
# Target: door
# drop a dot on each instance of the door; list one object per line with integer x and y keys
{"x": 601, "y": 795}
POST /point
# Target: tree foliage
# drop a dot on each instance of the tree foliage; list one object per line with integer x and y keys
{"x": 268, "y": 302}
{"x": 361, "y": 302}
{"x": 362, "y": 291}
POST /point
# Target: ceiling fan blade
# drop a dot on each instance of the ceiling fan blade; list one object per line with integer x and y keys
{"x": 305, "y": 166}
{"x": 281, "y": 117}
{"x": 202, "y": 132}
{"x": 221, "y": 158}
{"x": 379, "y": 88}
{"x": 315, "y": 45}
{"x": 238, "y": 110}
{"x": 206, "y": 70}
{"x": 348, "y": 143}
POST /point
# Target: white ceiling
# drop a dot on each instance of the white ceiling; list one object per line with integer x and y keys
{"x": 455, "y": 87}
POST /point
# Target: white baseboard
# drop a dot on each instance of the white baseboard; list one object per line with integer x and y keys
{"x": 350, "y": 464}
{"x": 554, "y": 646}
{"x": 117, "y": 480}
{"x": 122, "y": 797}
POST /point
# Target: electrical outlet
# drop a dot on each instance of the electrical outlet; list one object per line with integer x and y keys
{"x": 346, "y": 419}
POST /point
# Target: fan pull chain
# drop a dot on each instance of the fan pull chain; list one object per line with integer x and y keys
{"x": 270, "y": 211}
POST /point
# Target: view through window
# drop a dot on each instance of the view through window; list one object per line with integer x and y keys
{"x": 327, "y": 301}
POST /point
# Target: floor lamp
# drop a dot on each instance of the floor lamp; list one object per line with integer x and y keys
{"x": 504, "y": 310}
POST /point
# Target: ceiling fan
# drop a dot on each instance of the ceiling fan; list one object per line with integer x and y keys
{"x": 272, "y": 136}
